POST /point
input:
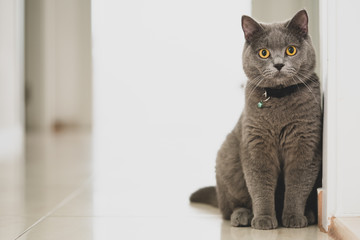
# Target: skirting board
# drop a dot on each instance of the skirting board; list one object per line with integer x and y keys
{"x": 320, "y": 209}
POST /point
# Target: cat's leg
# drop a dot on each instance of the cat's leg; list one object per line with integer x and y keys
{"x": 241, "y": 217}
{"x": 262, "y": 184}
{"x": 311, "y": 209}
{"x": 237, "y": 210}
{"x": 224, "y": 201}
{"x": 300, "y": 172}
{"x": 261, "y": 168}
{"x": 232, "y": 192}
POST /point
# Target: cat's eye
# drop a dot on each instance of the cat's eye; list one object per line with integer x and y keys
{"x": 291, "y": 50}
{"x": 264, "y": 53}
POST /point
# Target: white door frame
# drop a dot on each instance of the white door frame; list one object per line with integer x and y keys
{"x": 339, "y": 73}
{"x": 328, "y": 42}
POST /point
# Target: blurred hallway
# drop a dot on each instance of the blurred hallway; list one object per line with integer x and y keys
{"x": 112, "y": 112}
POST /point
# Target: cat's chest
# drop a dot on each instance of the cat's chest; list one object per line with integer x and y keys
{"x": 274, "y": 113}
{"x": 273, "y": 106}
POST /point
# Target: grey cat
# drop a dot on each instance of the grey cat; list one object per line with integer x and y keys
{"x": 268, "y": 168}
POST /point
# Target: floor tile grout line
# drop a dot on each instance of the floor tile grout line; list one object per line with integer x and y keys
{"x": 57, "y": 207}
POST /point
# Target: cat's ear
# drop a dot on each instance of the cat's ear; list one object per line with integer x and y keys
{"x": 300, "y": 23}
{"x": 250, "y": 27}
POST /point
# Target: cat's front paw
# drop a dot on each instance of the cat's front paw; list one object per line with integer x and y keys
{"x": 294, "y": 221}
{"x": 264, "y": 222}
{"x": 241, "y": 217}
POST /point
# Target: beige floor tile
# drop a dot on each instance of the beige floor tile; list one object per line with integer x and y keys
{"x": 125, "y": 201}
{"x": 119, "y": 188}
{"x": 34, "y": 202}
{"x": 99, "y": 228}
{"x": 352, "y": 223}
{"x": 345, "y": 228}
{"x": 12, "y": 226}
{"x": 50, "y": 170}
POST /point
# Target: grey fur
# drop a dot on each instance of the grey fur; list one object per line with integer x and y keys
{"x": 270, "y": 163}
{"x": 205, "y": 195}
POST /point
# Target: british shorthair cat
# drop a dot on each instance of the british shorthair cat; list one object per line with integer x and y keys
{"x": 268, "y": 168}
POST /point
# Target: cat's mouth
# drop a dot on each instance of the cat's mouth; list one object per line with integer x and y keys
{"x": 279, "y": 79}
{"x": 278, "y": 74}
{"x": 281, "y": 74}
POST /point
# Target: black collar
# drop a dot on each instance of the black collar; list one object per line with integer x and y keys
{"x": 281, "y": 92}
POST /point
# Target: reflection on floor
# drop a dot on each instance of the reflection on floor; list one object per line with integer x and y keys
{"x": 70, "y": 187}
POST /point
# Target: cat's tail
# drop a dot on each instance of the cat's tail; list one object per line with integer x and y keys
{"x": 205, "y": 195}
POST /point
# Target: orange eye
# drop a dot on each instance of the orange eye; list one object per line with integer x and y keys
{"x": 264, "y": 53}
{"x": 291, "y": 50}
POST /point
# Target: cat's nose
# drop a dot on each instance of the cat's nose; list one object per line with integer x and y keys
{"x": 278, "y": 66}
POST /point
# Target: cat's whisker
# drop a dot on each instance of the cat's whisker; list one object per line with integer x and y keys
{"x": 297, "y": 85}
{"x": 266, "y": 72}
{"x": 304, "y": 74}
{"x": 308, "y": 79}
{"x": 307, "y": 86}
{"x": 254, "y": 87}
{"x": 292, "y": 70}
{"x": 259, "y": 82}
{"x": 303, "y": 82}
{"x": 308, "y": 76}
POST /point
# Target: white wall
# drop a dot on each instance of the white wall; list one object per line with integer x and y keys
{"x": 167, "y": 70}
{"x": 166, "y": 62}
{"x": 58, "y": 63}
{"x": 341, "y": 134}
{"x": 348, "y": 128}
{"x": 11, "y": 76}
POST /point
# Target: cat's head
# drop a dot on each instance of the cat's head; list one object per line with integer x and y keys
{"x": 280, "y": 54}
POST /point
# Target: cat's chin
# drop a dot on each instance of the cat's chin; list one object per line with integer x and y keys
{"x": 278, "y": 82}
{"x": 283, "y": 82}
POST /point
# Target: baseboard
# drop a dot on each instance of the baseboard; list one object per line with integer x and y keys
{"x": 320, "y": 209}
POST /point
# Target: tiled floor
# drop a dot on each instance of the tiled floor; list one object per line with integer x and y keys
{"x": 346, "y": 228}
{"x": 70, "y": 187}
